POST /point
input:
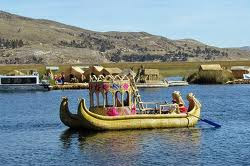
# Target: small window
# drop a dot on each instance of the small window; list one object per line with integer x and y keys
{"x": 118, "y": 99}
{"x": 30, "y": 80}
{"x": 126, "y": 99}
{"x": 95, "y": 99}
{"x": 109, "y": 99}
{"x": 101, "y": 99}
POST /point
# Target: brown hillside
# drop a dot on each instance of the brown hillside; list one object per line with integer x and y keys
{"x": 25, "y": 40}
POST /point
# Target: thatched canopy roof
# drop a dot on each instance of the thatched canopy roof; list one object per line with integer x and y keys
{"x": 151, "y": 72}
{"x": 211, "y": 67}
{"x": 245, "y": 68}
{"x": 114, "y": 70}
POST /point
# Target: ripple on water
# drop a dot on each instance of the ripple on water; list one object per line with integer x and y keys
{"x": 32, "y": 134}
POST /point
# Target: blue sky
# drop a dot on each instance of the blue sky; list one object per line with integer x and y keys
{"x": 222, "y": 23}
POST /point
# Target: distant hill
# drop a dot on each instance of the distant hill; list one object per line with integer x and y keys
{"x": 245, "y": 48}
{"x": 25, "y": 40}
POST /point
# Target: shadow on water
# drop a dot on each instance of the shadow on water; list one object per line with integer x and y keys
{"x": 131, "y": 140}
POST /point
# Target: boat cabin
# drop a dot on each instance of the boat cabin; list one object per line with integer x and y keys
{"x": 11, "y": 80}
{"x": 111, "y": 95}
{"x": 22, "y": 82}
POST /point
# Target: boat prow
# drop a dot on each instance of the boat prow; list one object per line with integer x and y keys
{"x": 68, "y": 119}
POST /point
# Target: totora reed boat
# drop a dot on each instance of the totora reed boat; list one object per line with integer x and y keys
{"x": 115, "y": 104}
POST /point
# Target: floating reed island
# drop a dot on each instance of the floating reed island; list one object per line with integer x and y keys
{"x": 70, "y": 86}
{"x": 211, "y": 74}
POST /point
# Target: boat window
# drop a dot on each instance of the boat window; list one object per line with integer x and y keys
{"x": 18, "y": 80}
{"x": 109, "y": 99}
{"x": 101, "y": 99}
{"x": 95, "y": 99}
{"x": 118, "y": 99}
{"x": 126, "y": 99}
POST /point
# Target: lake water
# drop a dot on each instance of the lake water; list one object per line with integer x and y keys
{"x": 31, "y": 132}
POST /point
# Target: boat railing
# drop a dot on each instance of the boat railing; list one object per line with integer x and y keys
{"x": 157, "y": 107}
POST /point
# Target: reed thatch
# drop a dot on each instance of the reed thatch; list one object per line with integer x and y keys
{"x": 77, "y": 72}
{"x": 111, "y": 71}
{"x": 245, "y": 68}
{"x": 93, "y": 70}
{"x": 238, "y": 71}
{"x": 151, "y": 72}
{"x": 210, "y": 67}
{"x": 15, "y": 73}
{"x": 96, "y": 70}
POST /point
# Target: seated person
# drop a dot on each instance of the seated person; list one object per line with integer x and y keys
{"x": 182, "y": 108}
{"x": 177, "y": 99}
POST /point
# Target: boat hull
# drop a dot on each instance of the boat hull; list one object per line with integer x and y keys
{"x": 89, "y": 120}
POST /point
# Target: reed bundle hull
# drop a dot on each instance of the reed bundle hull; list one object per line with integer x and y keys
{"x": 88, "y": 120}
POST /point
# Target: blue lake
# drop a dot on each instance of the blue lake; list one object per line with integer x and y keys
{"x": 32, "y": 133}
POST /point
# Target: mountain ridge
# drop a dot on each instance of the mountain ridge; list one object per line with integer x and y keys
{"x": 25, "y": 40}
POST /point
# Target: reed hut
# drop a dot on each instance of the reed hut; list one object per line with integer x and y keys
{"x": 93, "y": 70}
{"x": 238, "y": 71}
{"x": 210, "y": 67}
{"x": 78, "y": 73}
{"x": 151, "y": 75}
{"x": 111, "y": 71}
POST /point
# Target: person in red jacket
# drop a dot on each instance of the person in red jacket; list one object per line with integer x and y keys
{"x": 182, "y": 108}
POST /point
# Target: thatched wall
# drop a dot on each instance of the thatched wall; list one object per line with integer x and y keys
{"x": 210, "y": 67}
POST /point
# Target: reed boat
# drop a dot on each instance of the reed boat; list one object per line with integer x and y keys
{"x": 128, "y": 113}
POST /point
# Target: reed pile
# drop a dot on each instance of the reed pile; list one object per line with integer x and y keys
{"x": 210, "y": 77}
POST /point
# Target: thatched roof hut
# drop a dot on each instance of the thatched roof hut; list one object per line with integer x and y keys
{"x": 78, "y": 73}
{"x": 96, "y": 70}
{"x": 151, "y": 75}
{"x": 93, "y": 70}
{"x": 151, "y": 72}
{"x": 238, "y": 71}
{"x": 210, "y": 67}
{"x": 111, "y": 71}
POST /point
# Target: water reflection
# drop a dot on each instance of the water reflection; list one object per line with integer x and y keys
{"x": 132, "y": 142}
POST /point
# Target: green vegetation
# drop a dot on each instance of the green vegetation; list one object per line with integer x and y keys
{"x": 184, "y": 69}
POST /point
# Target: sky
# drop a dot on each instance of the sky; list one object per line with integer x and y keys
{"x": 221, "y": 23}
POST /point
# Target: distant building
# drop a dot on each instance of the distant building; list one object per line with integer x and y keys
{"x": 151, "y": 75}
{"x": 210, "y": 67}
{"x": 111, "y": 71}
{"x": 78, "y": 73}
{"x": 52, "y": 68}
{"x": 93, "y": 70}
{"x": 238, "y": 71}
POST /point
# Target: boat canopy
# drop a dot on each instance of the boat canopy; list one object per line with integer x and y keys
{"x": 108, "y": 91}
